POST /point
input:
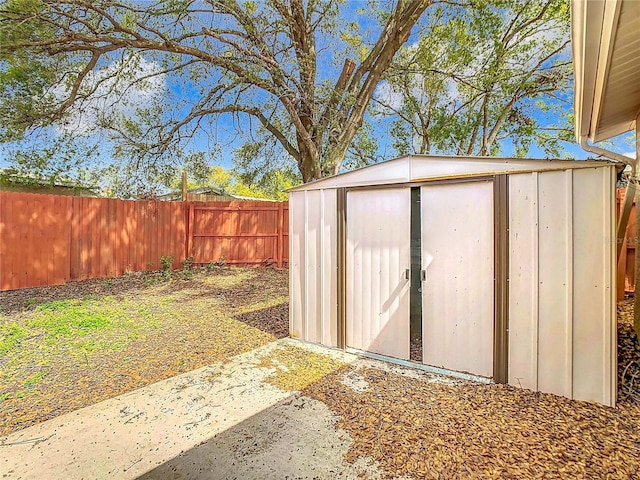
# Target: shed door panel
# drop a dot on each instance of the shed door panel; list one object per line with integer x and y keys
{"x": 458, "y": 293}
{"x": 378, "y": 255}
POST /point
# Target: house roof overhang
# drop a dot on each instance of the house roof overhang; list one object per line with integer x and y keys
{"x": 606, "y": 56}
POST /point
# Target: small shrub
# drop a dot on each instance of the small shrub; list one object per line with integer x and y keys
{"x": 219, "y": 264}
{"x": 187, "y": 263}
{"x": 187, "y": 267}
{"x": 166, "y": 261}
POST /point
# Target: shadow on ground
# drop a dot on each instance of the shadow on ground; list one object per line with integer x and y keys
{"x": 272, "y": 320}
{"x": 295, "y": 438}
{"x": 270, "y": 281}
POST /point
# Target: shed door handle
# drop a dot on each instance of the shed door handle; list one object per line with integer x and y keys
{"x": 423, "y": 275}
{"x": 407, "y": 274}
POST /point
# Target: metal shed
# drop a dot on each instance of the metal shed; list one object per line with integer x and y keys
{"x": 498, "y": 268}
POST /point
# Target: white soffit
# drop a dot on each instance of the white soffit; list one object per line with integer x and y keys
{"x": 606, "y": 54}
{"x": 417, "y": 168}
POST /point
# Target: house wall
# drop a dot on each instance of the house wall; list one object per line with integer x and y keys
{"x": 313, "y": 266}
{"x": 562, "y": 283}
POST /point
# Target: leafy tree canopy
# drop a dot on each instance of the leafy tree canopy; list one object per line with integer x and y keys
{"x": 493, "y": 77}
{"x": 148, "y": 78}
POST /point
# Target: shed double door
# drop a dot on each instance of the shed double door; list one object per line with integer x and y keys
{"x": 457, "y": 224}
{"x": 457, "y": 255}
{"x": 378, "y": 261}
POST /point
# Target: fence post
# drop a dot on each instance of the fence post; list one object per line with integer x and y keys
{"x": 280, "y": 252}
{"x": 189, "y": 242}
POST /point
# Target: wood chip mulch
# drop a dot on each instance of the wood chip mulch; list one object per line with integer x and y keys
{"x": 429, "y": 429}
{"x": 628, "y": 355}
{"x": 425, "y": 429}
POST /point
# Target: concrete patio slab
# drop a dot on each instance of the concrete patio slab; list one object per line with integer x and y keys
{"x": 221, "y": 421}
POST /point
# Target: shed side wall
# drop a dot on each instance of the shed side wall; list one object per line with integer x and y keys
{"x": 561, "y": 287}
{"x": 313, "y": 273}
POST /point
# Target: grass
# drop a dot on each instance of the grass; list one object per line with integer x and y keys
{"x": 77, "y": 345}
{"x": 296, "y": 368}
{"x": 86, "y": 325}
{"x": 11, "y": 335}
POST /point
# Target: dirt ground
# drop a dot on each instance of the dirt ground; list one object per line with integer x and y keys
{"x": 66, "y": 347}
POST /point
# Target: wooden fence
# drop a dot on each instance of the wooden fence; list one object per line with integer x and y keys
{"x": 51, "y": 239}
{"x": 626, "y": 264}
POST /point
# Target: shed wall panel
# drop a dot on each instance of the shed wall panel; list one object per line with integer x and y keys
{"x": 329, "y": 274}
{"x": 313, "y": 262}
{"x": 591, "y": 336}
{"x": 297, "y": 268}
{"x": 523, "y": 281}
{"x": 555, "y": 275}
{"x": 561, "y": 283}
{"x": 312, "y": 271}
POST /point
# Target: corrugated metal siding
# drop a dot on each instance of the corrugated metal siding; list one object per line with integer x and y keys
{"x": 561, "y": 311}
{"x": 313, "y": 251}
{"x": 458, "y": 294}
{"x": 378, "y": 255}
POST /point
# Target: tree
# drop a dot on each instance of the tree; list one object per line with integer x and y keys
{"x": 492, "y": 75}
{"x": 233, "y": 183}
{"x": 264, "y": 62}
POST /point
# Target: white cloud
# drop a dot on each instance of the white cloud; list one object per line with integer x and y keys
{"x": 115, "y": 92}
{"x": 630, "y": 154}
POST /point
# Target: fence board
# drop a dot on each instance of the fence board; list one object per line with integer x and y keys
{"x": 626, "y": 264}
{"x": 49, "y": 239}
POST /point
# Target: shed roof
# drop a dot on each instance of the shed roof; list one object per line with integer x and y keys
{"x": 606, "y": 59}
{"x": 418, "y": 168}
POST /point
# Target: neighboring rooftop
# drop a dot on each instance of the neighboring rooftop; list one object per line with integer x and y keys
{"x": 213, "y": 193}
{"x": 12, "y": 181}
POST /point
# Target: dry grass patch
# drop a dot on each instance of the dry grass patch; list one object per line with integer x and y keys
{"x": 296, "y": 368}
{"x": 67, "y": 347}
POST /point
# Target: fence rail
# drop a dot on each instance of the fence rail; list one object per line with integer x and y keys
{"x": 53, "y": 239}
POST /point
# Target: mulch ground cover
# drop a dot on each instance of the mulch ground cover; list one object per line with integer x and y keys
{"x": 628, "y": 355}
{"x": 420, "y": 427}
{"x": 70, "y": 346}
{"x": 427, "y": 429}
